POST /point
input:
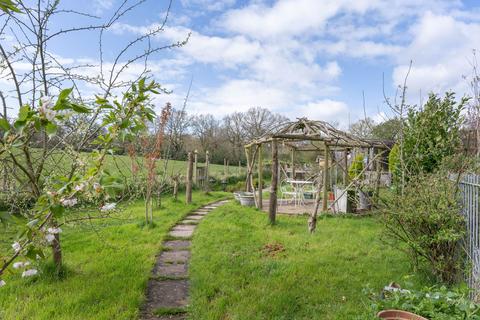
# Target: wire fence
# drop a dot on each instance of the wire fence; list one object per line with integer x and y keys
{"x": 470, "y": 196}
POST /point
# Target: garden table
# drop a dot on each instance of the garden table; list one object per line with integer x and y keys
{"x": 299, "y": 189}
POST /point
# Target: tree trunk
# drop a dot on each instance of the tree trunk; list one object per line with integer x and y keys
{"x": 272, "y": 211}
{"x": 57, "y": 250}
{"x": 189, "y": 179}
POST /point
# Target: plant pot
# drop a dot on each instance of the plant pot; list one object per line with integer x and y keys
{"x": 247, "y": 199}
{"x": 308, "y": 195}
{"x": 364, "y": 200}
{"x": 344, "y": 200}
{"x": 399, "y": 315}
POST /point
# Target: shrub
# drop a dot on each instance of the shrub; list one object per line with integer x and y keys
{"x": 356, "y": 167}
{"x": 427, "y": 220}
{"x": 434, "y": 303}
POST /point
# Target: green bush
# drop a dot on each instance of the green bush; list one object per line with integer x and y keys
{"x": 356, "y": 167}
{"x": 434, "y": 303}
{"x": 426, "y": 221}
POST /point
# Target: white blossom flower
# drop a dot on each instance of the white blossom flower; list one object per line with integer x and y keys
{"x": 50, "y": 237}
{"x": 29, "y": 273}
{"x": 54, "y": 230}
{"x": 16, "y": 246}
{"x": 18, "y": 265}
{"x": 80, "y": 187}
{"x": 50, "y": 114}
{"x": 68, "y": 202}
{"x": 46, "y": 108}
{"x": 46, "y": 102}
{"x": 2, "y": 283}
{"x": 108, "y": 206}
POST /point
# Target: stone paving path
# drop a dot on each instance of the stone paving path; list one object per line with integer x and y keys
{"x": 167, "y": 289}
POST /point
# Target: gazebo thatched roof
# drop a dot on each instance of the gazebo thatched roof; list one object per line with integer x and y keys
{"x": 303, "y": 133}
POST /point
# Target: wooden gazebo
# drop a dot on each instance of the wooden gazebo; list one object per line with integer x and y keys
{"x": 305, "y": 135}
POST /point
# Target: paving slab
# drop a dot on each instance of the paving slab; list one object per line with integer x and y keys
{"x": 170, "y": 269}
{"x": 189, "y": 221}
{"x": 180, "y": 233}
{"x": 178, "y": 256}
{"x": 167, "y": 293}
{"x": 177, "y": 244}
{"x": 195, "y": 217}
{"x": 201, "y": 213}
{"x": 184, "y": 227}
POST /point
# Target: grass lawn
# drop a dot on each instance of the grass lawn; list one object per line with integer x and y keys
{"x": 108, "y": 266}
{"x": 241, "y": 268}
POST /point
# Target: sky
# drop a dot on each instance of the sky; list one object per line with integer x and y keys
{"x": 312, "y": 58}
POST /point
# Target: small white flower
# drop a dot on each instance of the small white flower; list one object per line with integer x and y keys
{"x": 46, "y": 102}
{"x": 2, "y": 283}
{"x": 68, "y": 202}
{"x": 29, "y": 273}
{"x": 54, "y": 230}
{"x": 50, "y": 114}
{"x": 50, "y": 237}
{"x": 108, "y": 207}
{"x": 80, "y": 187}
{"x": 18, "y": 265}
{"x": 16, "y": 246}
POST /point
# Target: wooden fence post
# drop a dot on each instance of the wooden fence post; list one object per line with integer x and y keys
{"x": 195, "y": 166}
{"x": 189, "y": 179}
{"x": 207, "y": 162}
{"x": 293, "y": 164}
{"x": 272, "y": 211}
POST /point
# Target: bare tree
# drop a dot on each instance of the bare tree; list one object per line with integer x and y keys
{"x": 257, "y": 121}
{"x": 206, "y": 128}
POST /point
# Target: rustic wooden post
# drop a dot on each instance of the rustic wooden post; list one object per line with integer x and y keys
{"x": 325, "y": 179}
{"x": 312, "y": 221}
{"x": 248, "y": 154}
{"x": 225, "y": 166}
{"x": 345, "y": 163}
{"x": 189, "y": 179}
{"x": 175, "y": 188}
{"x": 239, "y": 168}
{"x": 378, "y": 176}
{"x": 260, "y": 178}
{"x": 272, "y": 210}
{"x": 293, "y": 164}
{"x": 228, "y": 167}
{"x": 195, "y": 167}
{"x": 207, "y": 162}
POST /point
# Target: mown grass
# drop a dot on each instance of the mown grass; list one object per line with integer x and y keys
{"x": 241, "y": 268}
{"x": 107, "y": 263}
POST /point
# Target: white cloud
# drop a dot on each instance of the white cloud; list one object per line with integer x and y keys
{"x": 441, "y": 49}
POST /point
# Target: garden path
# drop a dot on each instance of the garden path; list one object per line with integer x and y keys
{"x": 167, "y": 289}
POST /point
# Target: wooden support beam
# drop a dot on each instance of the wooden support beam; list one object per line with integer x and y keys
{"x": 188, "y": 183}
{"x": 345, "y": 163}
{"x": 272, "y": 210}
{"x": 378, "y": 163}
{"x": 260, "y": 178}
{"x": 325, "y": 179}
{"x": 293, "y": 164}
{"x": 248, "y": 154}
